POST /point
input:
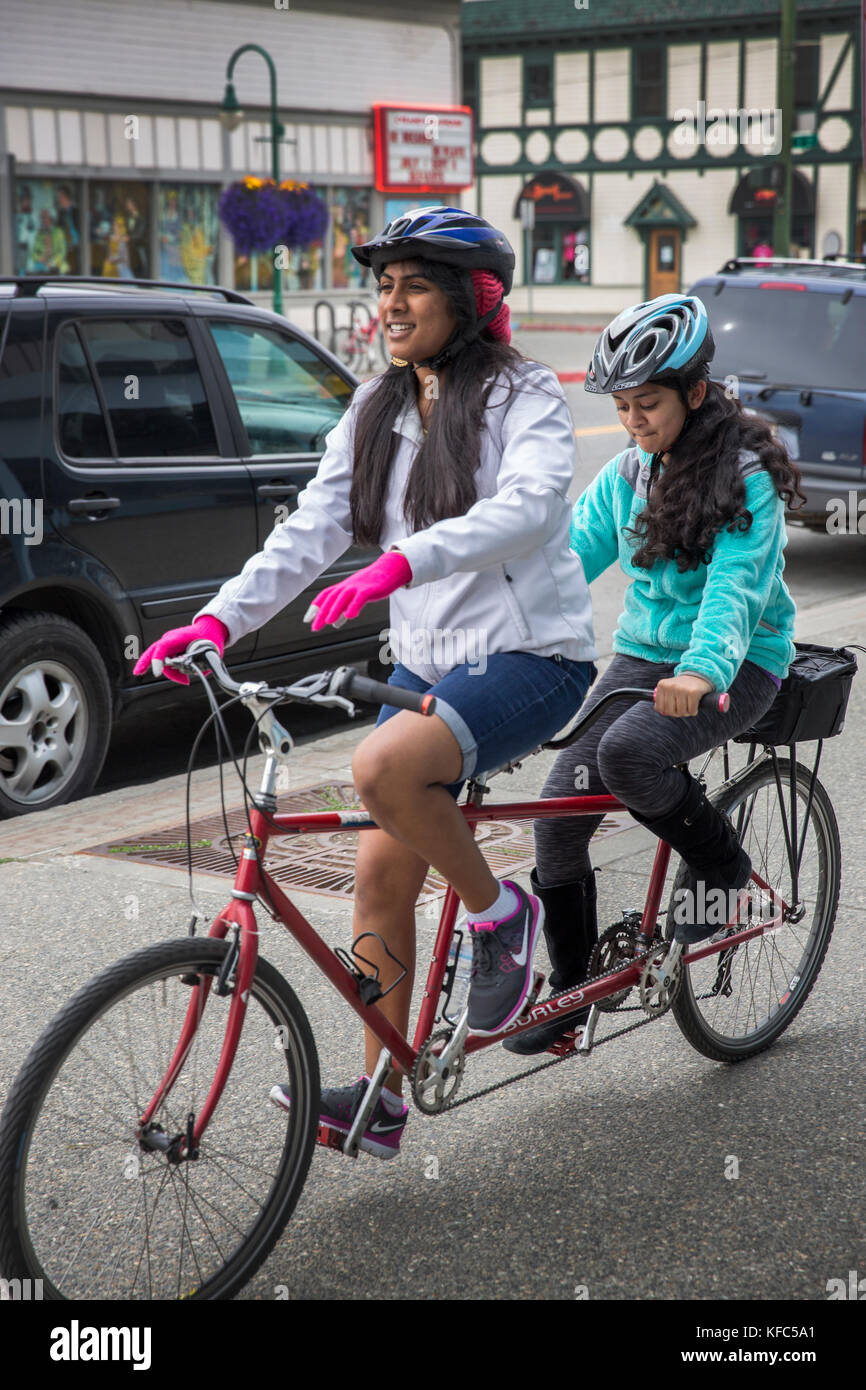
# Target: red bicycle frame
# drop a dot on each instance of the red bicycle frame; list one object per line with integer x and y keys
{"x": 252, "y": 881}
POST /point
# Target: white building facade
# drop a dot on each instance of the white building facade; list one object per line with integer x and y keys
{"x": 648, "y": 142}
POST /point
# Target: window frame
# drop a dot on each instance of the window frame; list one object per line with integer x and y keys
{"x": 243, "y": 320}
{"x": 543, "y": 60}
{"x": 559, "y": 229}
{"x": 116, "y": 461}
{"x": 638, "y": 86}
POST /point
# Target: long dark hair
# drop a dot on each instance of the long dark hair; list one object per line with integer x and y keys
{"x": 441, "y": 482}
{"x": 700, "y": 490}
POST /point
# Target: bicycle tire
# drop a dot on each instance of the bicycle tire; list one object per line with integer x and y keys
{"x": 346, "y": 347}
{"x": 48, "y": 1214}
{"x": 797, "y": 950}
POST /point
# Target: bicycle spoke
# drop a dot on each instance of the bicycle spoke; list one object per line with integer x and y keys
{"x": 732, "y": 1014}
{"x": 107, "y": 1216}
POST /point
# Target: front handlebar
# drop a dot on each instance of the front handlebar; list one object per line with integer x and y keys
{"x": 326, "y": 688}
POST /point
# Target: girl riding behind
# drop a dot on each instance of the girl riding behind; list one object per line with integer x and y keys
{"x": 457, "y": 462}
{"x": 694, "y": 512}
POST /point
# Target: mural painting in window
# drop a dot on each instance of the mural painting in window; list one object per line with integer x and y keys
{"x": 350, "y": 221}
{"x": 188, "y": 223}
{"x": 47, "y": 228}
{"x": 119, "y": 221}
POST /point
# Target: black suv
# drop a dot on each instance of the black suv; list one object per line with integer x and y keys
{"x": 791, "y": 340}
{"x": 150, "y": 438}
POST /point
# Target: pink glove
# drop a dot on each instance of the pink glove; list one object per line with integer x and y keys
{"x": 346, "y": 599}
{"x": 176, "y": 641}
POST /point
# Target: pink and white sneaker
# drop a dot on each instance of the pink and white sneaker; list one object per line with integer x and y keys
{"x": 502, "y": 974}
{"x": 338, "y": 1108}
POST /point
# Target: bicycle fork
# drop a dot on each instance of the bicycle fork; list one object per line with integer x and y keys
{"x": 242, "y": 964}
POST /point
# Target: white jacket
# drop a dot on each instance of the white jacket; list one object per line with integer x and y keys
{"x": 500, "y": 578}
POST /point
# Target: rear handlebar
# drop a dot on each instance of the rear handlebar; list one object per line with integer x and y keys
{"x": 715, "y": 701}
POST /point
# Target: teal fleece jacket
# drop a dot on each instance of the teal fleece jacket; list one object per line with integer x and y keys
{"x": 707, "y": 621}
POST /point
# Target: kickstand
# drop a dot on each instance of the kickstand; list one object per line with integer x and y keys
{"x": 384, "y": 1066}
{"x": 584, "y": 1047}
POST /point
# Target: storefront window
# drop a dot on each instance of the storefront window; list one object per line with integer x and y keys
{"x": 350, "y": 223}
{"x": 188, "y": 224}
{"x": 119, "y": 221}
{"x": 560, "y": 253}
{"x": 47, "y": 228}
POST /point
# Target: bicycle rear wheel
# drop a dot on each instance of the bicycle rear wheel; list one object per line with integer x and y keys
{"x": 347, "y": 348}
{"x": 84, "y": 1207}
{"x": 735, "y": 1004}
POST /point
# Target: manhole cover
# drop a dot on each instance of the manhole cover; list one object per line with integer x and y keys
{"x": 311, "y": 863}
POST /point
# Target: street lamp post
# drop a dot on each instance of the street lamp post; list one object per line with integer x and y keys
{"x": 231, "y": 116}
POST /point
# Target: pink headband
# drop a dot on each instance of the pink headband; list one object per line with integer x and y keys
{"x": 488, "y": 292}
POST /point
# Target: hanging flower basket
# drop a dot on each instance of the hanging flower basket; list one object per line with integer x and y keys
{"x": 259, "y": 216}
{"x": 254, "y": 214}
{"x": 306, "y": 214}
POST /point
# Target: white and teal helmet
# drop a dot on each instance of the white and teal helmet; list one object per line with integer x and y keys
{"x": 663, "y": 340}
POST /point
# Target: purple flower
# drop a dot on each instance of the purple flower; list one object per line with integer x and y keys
{"x": 306, "y": 216}
{"x": 254, "y": 216}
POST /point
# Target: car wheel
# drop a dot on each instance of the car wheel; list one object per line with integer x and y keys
{"x": 55, "y": 712}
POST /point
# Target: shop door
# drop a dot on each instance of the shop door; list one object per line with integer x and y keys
{"x": 664, "y": 261}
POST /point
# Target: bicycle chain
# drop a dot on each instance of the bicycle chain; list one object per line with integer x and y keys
{"x": 555, "y": 1061}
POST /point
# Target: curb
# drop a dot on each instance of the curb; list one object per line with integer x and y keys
{"x": 571, "y": 376}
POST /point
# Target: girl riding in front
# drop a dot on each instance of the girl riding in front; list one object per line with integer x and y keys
{"x": 457, "y": 462}
{"x": 694, "y": 512}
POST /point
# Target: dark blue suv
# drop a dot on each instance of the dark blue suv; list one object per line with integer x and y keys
{"x": 150, "y": 438}
{"x": 791, "y": 340}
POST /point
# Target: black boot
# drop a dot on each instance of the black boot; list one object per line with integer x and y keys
{"x": 571, "y": 931}
{"x": 707, "y": 841}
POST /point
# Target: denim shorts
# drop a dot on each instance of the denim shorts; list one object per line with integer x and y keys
{"x": 519, "y": 702}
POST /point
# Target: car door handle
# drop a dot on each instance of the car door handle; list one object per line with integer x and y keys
{"x": 277, "y": 490}
{"x": 98, "y": 503}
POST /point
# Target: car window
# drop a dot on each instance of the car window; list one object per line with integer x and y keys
{"x": 149, "y": 377}
{"x": 288, "y": 396}
{"x": 789, "y": 337}
{"x": 80, "y": 424}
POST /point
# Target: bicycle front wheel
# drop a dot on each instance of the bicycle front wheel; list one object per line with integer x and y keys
{"x": 735, "y": 1004}
{"x": 91, "y": 1213}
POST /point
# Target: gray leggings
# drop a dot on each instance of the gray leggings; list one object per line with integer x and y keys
{"x": 631, "y": 753}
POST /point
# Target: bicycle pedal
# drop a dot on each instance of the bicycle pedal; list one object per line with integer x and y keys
{"x": 331, "y": 1138}
{"x": 564, "y": 1046}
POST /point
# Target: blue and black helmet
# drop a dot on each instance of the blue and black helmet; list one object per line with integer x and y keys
{"x": 443, "y": 234}
{"x": 663, "y": 340}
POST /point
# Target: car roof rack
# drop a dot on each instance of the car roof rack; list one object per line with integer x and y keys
{"x": 834, "y": 269}
{"x": 30, "y": 285}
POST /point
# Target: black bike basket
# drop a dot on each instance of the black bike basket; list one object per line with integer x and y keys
{"x": 812, "y": 701}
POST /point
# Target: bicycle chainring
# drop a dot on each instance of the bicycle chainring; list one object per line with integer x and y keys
{"x": 658, "y": 987}
{"x": 432, "y": 1096}
{"x": 615, "y": 947}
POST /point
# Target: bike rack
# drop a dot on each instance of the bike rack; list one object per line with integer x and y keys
{"x": 324, "y": 304}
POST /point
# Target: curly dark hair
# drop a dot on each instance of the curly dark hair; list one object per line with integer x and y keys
{"x": 700, "y": 491}
{"x": 442, "y": 479}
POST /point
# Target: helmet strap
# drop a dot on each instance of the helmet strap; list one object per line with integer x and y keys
{"x": 458, "y": 341}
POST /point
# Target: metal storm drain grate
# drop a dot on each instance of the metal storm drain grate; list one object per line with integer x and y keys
{"x": 312, "y": 863}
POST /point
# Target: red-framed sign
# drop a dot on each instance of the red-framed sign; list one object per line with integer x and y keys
{"x": 423, "y": 149}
